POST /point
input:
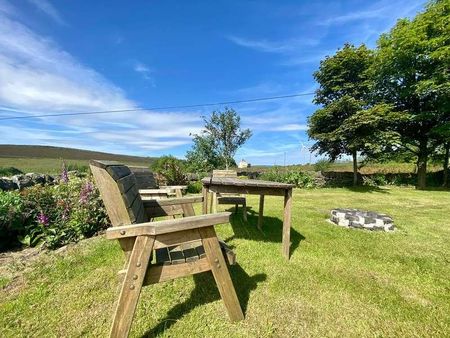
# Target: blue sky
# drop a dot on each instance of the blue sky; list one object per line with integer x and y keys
{"x": 69, "y": 56}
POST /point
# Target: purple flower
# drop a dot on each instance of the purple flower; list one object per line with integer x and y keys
{"x": 86, "y": 192}
{"x": 65, "y": 214}
{"x": 64, "y": 174}
{"x": 43, "y": 219}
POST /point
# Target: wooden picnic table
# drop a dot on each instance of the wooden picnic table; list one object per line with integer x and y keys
{"x": 254, "y": 187}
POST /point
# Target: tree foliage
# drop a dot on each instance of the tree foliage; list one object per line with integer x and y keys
{"x": 221, "y": 137}
{"x": 411, "y": 73}
{"x": 392, "y": 102}
{"x": 344, "y": 91}
{"x": 203, "y": 157}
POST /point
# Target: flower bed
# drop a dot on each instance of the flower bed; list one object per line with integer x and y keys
{"x": 51, "y": 215}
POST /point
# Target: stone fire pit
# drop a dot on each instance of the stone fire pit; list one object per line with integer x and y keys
{"x": 355, "y": 218}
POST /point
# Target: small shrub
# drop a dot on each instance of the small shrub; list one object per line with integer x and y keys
{"x": 9, "y": 171}
{"x": 322, "y": 165}
{"x": 81, "y": 168}
{"x": 369, "y": 182}
{"x": 194, "y": 187}
{"x": 274, "y": 174}
{"x": 300, "y": 179}
{"x": 11, "y": 219}
{"x": 171, "y": 169}
{"x": 380, "y": 179}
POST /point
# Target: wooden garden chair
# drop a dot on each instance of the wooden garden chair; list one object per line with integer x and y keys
{"x": 150, "y": 190}
{"x": 158, "y": 251}
{"x": 228, "y": 198}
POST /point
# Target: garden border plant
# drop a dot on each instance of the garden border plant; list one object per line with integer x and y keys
{"x": 51, "y": 215}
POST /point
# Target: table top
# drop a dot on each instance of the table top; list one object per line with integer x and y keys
{"x": 232, "y": 181}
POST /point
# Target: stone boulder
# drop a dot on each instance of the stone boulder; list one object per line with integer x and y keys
{"x": 30, "y": 179}
{"x": 36, "y": 178}
{"x": 22, "y": 181}
{"x": 7, "y": 184}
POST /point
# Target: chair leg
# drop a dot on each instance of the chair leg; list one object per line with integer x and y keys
{"x": 236, "y": 206}
{"x": 132, "y": 285}
{"x": 220, "y": 272}
{"x": 244, "y": 211}
{"x": 216, "y": 202}
{"x": 213, "y": 203}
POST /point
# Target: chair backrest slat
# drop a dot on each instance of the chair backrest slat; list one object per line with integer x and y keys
{"x": 226, "y": 173}
{"x": 117, "y": 186}
{"x": 144, "y": 177}
{"x": 126, "y": 183}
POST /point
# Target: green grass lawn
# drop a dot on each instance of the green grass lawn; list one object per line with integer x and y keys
{"x": 339, "y": 282}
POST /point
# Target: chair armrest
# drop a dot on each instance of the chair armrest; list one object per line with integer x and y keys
{"x": 174, "y": 187}
{"x": 172, "y": 201}
{"x": 154, "y": 191}
{"x": 165, "y": 227}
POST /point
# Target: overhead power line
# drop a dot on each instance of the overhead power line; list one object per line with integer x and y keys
{"x": 155, "y": 108}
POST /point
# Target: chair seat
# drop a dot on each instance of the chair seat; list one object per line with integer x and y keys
{"x": 189, "y": 252}
{"x": 231, "y": 200}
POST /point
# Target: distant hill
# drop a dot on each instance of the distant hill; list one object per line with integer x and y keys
{"x": 48, "y": 159}
{"x": 11, "y": 150}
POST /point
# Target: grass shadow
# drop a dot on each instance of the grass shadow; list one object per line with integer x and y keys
{"x": 440, "y": 189}
{"x": 205, "y": 291}
{"x": 272, "y": 229}
{"x": 368, "y": 189}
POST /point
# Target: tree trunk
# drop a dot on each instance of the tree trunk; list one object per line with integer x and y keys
{"x": 422, "y": 159}
{"x": 355, "y": 168}
{"x": 447, "y": 155}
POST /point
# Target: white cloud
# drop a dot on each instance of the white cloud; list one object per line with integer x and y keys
{"x": 35, "y": 74}
{"x": 368, "y": 23}
{"x": 353, "y": 16}
{"x": 46, "y": 7}
{"x": 363, "y": 25}
{"x": 144, "y": 70}
{"x": 260, "y": 45}
{"x": 282, "y": 47}
{"x": 38, "y": 77}
{"x": 292, "y": 127}
{"x": 295, "y": 51}
{"x": 380, "y": 10}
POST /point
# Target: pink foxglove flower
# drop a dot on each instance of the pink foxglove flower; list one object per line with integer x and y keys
{"x": 64, "y": 173}
{"x": 86, "y": 192}
{"x": 43, "y": 219}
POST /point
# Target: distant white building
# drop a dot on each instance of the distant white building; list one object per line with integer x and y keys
{"x": 244, "y": 164}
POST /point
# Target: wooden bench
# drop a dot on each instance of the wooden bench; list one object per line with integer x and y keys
{"x": 159, "y": 251}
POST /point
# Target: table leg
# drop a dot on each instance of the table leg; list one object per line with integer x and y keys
{"x": 261, "y": 211}
{"x": 205, "y": 193}
{"x": 287, "y": 223}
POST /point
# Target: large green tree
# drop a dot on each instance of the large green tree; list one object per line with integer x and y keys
{"x": 218, "y": 142}
{"x": 203, "y": 157}
{"x": 343, "y": 92}
{"x": 441, "y": 136}
{"x": 411, "y": 73}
